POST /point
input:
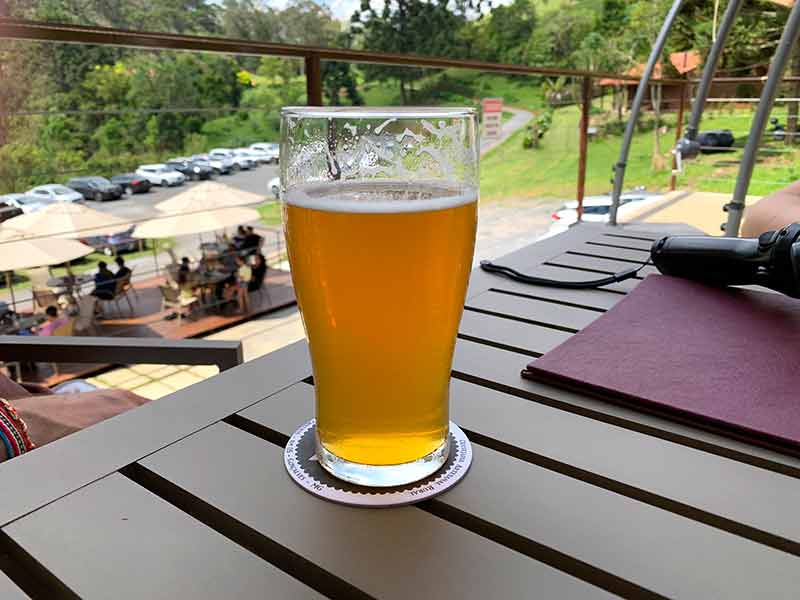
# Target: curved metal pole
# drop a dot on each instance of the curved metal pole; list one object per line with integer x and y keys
{"x": 636, "y": 107}
{"x": 710, "y": 68}
{"x": 735, "y": 208}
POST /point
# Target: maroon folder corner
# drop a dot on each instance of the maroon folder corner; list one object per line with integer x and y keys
{"x": 720, "y": 358}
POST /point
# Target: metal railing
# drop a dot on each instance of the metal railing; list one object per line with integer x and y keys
{"x": 18, "y": 29}
{"x": 224, "y": 354}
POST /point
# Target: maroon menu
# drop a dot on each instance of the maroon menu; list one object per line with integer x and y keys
{"x": 720, "y": 358}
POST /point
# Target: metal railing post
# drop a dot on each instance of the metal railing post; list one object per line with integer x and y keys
{"x": 735, "y": 208}
{"x": 313, "y": 80}
{"x": 586, "y": 104}
{"x": 704, "y": 89}
{"x": 673, "y": 180}
{"x": 636, "y": 107}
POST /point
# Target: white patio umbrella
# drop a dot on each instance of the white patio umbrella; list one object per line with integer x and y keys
{"x": 65, "y": 220}
{"x": 197, "y": 221}
{"x": 208, "y": 194}
{"x": 26, "y": 253}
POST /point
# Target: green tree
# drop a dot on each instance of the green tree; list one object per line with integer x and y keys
{"x": 506, "y": 33}
{"x": 430, "y": 28}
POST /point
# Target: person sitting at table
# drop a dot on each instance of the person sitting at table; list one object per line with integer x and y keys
{"x": 229, "y": 259}
{"x": 185, "y": 269}
{"x": 38, "y": 416}
{"x": 243, "y": 276}
{"x": 238, "y": 239}
{"x": 105, "y": 285}
{"x": 259, "y": 273}
{"x": 122, "y": 269}
{"x": 252, "y": 241}
{"x": 53, "y": 322}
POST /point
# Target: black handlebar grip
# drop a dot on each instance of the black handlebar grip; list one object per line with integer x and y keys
{"x": 714, "y": 260}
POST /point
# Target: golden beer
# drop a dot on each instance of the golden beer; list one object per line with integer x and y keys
{"x": 380, "y": 271}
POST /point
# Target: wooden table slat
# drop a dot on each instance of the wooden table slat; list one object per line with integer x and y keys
{"x": 114, "y": 539}
{"x": 510, "y": 334}
{"x": 386, "y": 553}
{"x": 594, "y": 263}
{"x": 74, "y": 461}
{"x": 565, "y": 274}
{"x": 622, "y": 254}
{"x": 640, "y": 543}
{"x": 674, "y": 471}
{"x": 597, "y": 299}
{"x": 627, "y": 242}
{"x": 534, "y": 310}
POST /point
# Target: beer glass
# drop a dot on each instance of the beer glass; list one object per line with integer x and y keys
{"x": 380, "y": 213}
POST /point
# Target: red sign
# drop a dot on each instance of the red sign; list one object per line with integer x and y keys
{"x": 492, "y": 105}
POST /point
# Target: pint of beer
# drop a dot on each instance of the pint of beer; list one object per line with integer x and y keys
{"x": 380, "y": 211}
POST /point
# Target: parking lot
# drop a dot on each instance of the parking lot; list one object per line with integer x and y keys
{"x": 142, "y": 206}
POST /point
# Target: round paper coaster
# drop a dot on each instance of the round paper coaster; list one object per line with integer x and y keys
{"x": 301, "y": 463}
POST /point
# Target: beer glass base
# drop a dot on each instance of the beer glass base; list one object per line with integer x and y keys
{"x": 382, "y": 475}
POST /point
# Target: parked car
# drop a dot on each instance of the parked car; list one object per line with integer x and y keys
{"x": 27, "y": 203}
{"x": 274, "y": 186}
{"x": 161, "y": 174}
{"x": 132, "y": 183}
{"x": 221, "y": 166}
{"x": 256, "y": 156}
{"x": 98, "y": 189}
{"x": 239, "y": 162}
{"x": 115, "y": 243}
{"x": 596, "y": 208}
{"x": 55, "y": 193}
{"x": 271, "y": 149}
{"x": 7, "y": 211}
{"x": 190, "y": 169}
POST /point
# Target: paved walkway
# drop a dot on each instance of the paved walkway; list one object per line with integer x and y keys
{"x": 510, "y": 127}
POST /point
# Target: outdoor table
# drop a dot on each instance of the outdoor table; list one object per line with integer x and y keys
{"x": 207, "y": 281}
{"x": 69, "y": 284}
{"x": 568, "y": 496}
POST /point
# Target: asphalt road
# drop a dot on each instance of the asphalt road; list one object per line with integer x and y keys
{"x": 142, "y": 206}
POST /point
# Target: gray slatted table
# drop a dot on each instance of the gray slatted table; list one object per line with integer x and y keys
{"x": 569, "y": 496}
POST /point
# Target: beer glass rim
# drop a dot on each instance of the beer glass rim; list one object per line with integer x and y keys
{"x": 378, "y": 112}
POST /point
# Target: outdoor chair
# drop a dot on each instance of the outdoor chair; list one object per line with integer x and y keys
{"x": 171, "y": 298}
{"x": 84, "y": 322}
{"x": 39, "y": 277}
{"x": 118, "y": 293}
{"x": 171, "y": 272}
{"x": 42, "y": 298}
{"x": 67, "y": 329}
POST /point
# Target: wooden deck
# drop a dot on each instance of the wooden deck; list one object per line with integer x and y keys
{"x": 148, "y": 320}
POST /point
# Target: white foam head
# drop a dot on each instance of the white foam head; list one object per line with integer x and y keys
{"x": 380, "y": 196}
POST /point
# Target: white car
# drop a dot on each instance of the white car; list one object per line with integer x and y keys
{"x": 54, "y": 192}
{"x": 161, "y": 174}
{"x": 239, "y": 162}
{"x": 257, "y": 155}
{"x": 274, "y": 186}
{"x": 596, "y": 209}
{"x": 221, "y": 166}
{"x": 271, "y": 149}
{"x": 27, "y": 203}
